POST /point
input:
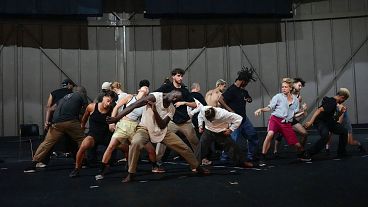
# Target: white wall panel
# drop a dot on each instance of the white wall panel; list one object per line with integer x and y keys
{"x": 89, "y": 54}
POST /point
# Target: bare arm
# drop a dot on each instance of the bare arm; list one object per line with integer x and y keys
{"x": 86, "y": 115}
{"x": 120, "y": 103}
{"x": 223, "y": 103}
{"x": 309, "y": 123}
{"x": 190, "y": 104}
{"x": 141, "y": 102}
{"x": 258, "y": 111}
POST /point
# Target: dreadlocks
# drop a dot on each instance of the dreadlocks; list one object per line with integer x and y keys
{"x": 246, "y": 74}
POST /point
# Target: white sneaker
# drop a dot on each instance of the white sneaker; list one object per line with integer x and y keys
{"x": 99, "y": 177}
{"x": 40, "y": 165}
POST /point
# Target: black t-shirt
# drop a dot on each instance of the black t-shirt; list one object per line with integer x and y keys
{"x": 69, "y": 107}
{"x": 329, "y": 105}
{"x": 199, "y": 97}
{"x": 236, "y": 97}
{"x": 59, "y": 94}
{"x": 181, "y": 113}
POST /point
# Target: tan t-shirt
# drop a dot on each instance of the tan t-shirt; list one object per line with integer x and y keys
{"x": 148, "y": 120}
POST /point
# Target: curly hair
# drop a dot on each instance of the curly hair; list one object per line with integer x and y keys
{"x": 246, "y": 74}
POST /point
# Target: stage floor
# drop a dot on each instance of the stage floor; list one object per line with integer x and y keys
{"x": 283, "y": 182}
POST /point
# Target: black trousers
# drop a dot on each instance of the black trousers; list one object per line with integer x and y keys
{"x": 208, "y": 137}
{"x": 324, "y": 130}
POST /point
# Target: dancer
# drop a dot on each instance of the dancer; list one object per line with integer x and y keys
{"x": 181, "y": 121}
{"x": 156, "y": 116}
{"x": 124, "y": 131}
{"x": 99, "y": 132}
{"x": 116, "y": 87}
{"x": 213, "y": 96}
{"x": 234, "y": 99}
{"x": 65, "y": 121}
{"x": 284, "y": 106}
{"x": 219, "y": 124}
{"x": 298, "y": 84}
{"x": 345, "y": 122}
{"x": 324, "y": 119}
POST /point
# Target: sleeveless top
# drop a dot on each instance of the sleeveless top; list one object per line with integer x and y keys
{"x": 136, "y": 114}
{"x": 97, "y": 122}
{"x": 156, "y": 134}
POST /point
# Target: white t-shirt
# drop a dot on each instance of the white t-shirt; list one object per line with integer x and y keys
{"x": 223, "y": 120}
{"x": 156, "y": 134}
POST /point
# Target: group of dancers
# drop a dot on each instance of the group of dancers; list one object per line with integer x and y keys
{"x": 150, "y": 121}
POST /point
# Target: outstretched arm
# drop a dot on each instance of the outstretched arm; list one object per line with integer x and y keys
{"x": 260, "y": 110}
{"x": 309, "y": 123}
{"x": 120, "y": 103}
{"x": 141, "y": 102}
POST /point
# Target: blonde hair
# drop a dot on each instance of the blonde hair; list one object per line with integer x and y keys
{"x": 344, "y": 92}
{"x": 220, "y": 82}
{"x": 115, "y": 85}
{"x": 288, "y": 81}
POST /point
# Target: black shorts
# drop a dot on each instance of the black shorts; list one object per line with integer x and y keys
{"x": 294, "y": 122}
{"x": 101, "y": 138}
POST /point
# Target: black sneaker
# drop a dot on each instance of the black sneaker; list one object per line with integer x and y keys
{"x": 305, "y": 157}
{"x": 262, "y": 160}
{"x": 103, "y": 170}
{"x": 74, "y": 173}
{"x": 31, "y": 168}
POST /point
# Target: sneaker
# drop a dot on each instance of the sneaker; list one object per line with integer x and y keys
{"x": 262, "y": 160}
{"x": 31, "y": 168}
{"x": 158, "y": 169}
{"x": 99, "y": 177}
{"x": 206, "y": 162}
{"x": 262, "y": 163}
{"x": 201, "y": 170}
{"x": 74, "y": 173}
{"x": 40, "y": 165}
{"x": 305, "y": 157}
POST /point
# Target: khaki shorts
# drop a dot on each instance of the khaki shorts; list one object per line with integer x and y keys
{"x": 124, "y": 131}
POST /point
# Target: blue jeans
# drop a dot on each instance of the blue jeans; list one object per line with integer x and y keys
{"x": 247, "y": 131}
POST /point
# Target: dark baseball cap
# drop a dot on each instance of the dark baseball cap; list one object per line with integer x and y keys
{"x": 67, "y": 81}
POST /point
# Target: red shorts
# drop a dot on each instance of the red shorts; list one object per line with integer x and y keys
{"x": 286, "y": 129}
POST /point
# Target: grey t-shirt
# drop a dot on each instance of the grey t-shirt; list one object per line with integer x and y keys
{"x": 69, "y": 107}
